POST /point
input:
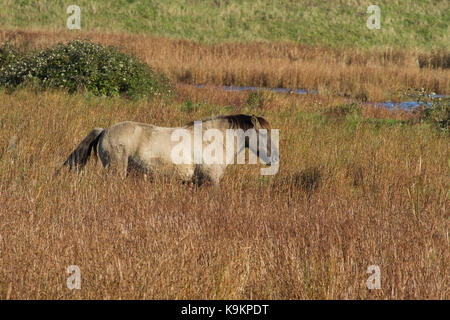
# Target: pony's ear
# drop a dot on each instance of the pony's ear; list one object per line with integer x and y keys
{"x": 255, "y": 122}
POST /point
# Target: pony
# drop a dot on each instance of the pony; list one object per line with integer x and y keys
{"x": 151, "y": 149}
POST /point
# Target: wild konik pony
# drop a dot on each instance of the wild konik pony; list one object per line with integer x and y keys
{"x": 150, "y": 148}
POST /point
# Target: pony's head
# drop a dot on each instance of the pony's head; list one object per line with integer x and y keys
{"x": 260, "y": 140}
{"x": 267, "y": 147}
{"x": 255, "y": 130}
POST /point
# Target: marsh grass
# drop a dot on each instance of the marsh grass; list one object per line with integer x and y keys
{"x": 357, "y": 186}
{"x": 380, "y": 74}
{"x": 366, "y": 195}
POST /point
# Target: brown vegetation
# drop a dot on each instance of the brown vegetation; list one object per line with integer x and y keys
{"x": 348, "y": 195}
{"x": 375, "y": 75}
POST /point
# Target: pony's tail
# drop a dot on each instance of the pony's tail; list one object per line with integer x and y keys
{"x": 79, "y": 157}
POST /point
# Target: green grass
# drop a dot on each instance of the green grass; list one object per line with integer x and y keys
{"x": 420, "y": 23}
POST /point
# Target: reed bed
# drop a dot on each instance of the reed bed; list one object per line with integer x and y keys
{"x": 379, "y": 74}
{"x": 352, "y": 191}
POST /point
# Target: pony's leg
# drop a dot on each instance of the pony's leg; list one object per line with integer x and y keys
{"x": 114, "y": 157}
{"x": 122, "y": 165}
{"x": 215, "y": 181}
{"x": 215, "y": 173}
{"x": 104, "y": 155}
{"x": 199, "y": 177}
{"x": 119, "y": 161}
{"x": 208, "y": 173}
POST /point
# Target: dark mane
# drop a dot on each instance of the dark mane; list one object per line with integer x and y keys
{"x": 238, "y": 121}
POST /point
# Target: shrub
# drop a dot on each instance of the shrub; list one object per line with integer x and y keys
{"x": 82, "y": 65}
{"x": 435, "y": 110}
{"x": 8, "y": 54}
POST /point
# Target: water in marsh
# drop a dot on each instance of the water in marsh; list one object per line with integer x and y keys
{"x": 405, "y": 105}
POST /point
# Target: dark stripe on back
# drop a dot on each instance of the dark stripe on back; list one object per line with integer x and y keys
{"x": 237, "y": 121}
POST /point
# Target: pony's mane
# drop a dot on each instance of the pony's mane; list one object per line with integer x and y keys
{"x": 238, "y": 121}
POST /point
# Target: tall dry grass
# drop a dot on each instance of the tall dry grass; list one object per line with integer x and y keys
{"x": 349, "y": 194}
{"x": 376, "y": 75}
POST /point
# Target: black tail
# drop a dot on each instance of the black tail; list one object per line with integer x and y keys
{"x": 79, "y": 157}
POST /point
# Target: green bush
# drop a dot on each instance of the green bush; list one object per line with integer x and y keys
{"x": 8, "y": 54}
{"x": 82, "y": 65}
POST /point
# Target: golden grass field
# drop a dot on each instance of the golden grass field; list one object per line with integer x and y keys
{"x": 354, "y": 189}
